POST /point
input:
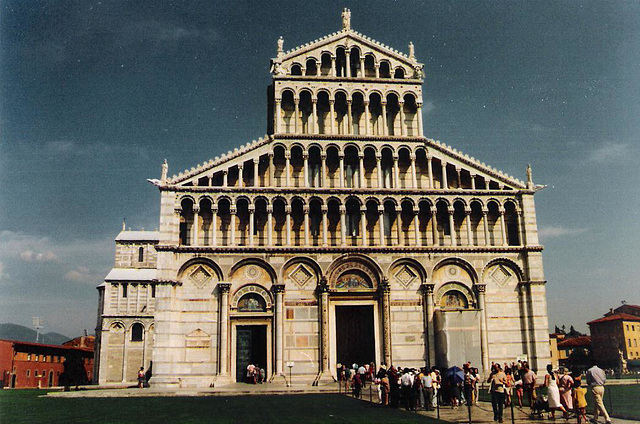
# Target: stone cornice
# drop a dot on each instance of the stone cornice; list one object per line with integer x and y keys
{"x": 345, "y": 190}
{"x": 271, "y": 250}
{"x": 328, "y": 78}
{"x": 347, "y": 137}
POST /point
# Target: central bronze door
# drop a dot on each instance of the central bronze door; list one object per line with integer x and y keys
{"x": 355, "y": 339}
{"x": 251, "y": 348}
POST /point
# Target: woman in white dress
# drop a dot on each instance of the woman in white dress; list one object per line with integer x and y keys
{"x": 553, "y": 393}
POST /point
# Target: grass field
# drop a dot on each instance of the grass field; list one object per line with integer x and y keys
{"x": 620, "y": 401}
{"x": 26, "y": 406}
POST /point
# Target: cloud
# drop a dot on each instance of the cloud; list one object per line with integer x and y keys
{"x": 554, "y": 231}
{"x": 608, "y": 151}
{"x": 164, "y": 32}
{"x": 81, "y": 275}
{"x": 428, "y": 106}
{"x": 31, "y": 256}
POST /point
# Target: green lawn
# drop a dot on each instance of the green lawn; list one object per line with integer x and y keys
{"x": 26, "y": 406}
{"x": 620, "y": 401}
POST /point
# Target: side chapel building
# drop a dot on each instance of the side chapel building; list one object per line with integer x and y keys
{"x": 343, "y": 236}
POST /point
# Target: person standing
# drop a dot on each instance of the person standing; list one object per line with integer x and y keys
{"x": 141, "y": 378}
{"x": 596, "y": 379}
{"x": 529, "y": 384}
{"x": 427, "y": 390}
{"x": 565, "y": 384}
{"x": 498, "y": 380}
{"x": 580, "y": 401}
{"x": 553, "y": 392}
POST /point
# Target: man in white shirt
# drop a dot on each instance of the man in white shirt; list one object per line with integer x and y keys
{"x": 596, "y": 379}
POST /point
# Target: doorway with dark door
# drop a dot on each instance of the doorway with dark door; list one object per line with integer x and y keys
{"x": 251, "y": 348}
{"x": 355, "y": 336}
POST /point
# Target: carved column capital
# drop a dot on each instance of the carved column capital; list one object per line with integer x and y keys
{"x": 224, "y": 288}
{"x": 323, "y": 285}
{"x": 384, "y": 286}
{"x": 427, "y": 288}
{"x": 277, "y": 288}
{"x": 481, "y": 288}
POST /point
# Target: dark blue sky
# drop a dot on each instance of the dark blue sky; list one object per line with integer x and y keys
{"x": 94, "y": 95}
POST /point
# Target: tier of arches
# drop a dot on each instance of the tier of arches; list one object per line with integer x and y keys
{"x": 347, "y": 62}
{"x": 301, "y": 111}
{"x": 353, "y": 221}
{"x": 348, "y": 166}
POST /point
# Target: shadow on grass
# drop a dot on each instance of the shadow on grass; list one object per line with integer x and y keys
{"x": 27, "y": 406}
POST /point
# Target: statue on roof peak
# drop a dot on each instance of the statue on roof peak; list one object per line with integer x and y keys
{"x": 346, "y": 19}
{"x": 529, "y": 177}
{"x": 280, "y": 46}
{"x": 165, "y": 169}
{"x": 412, "y": 51}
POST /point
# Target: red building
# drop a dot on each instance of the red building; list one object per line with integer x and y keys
{"x": 25, "y": 364}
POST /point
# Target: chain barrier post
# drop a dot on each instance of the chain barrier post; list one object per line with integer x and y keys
{"x": 513, "y": 419}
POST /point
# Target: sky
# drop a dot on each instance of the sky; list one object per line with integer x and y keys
{"x": 96, "y": 94}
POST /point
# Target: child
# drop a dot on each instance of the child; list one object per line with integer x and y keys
{"x": 580, "y": 401}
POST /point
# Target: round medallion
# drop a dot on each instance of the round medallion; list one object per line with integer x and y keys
{"x": 252, "y": 272}
{"x": 453, "y": 270}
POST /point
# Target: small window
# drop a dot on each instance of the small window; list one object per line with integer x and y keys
{"x": 28, "y": 373}
{"x": 629, "y": 342}
{"x": 28, "y": 356}
{"x": 136, "y": 332}
{"x": 153, "y": 290}
{"x": 141, "y": 254}
{"x": 124, "y": 290}
{"x": 37, "y": 358}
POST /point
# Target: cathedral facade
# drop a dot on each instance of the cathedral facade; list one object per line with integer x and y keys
{"x": 342, "y": 236}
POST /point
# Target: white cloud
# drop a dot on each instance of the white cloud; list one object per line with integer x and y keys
{"x": 81, "y": 275}
{"x": 608, "y": 151}
{"x": 428, "y": 106}
{"x": 31, "y": 256}
{"x": 554, "y": 231}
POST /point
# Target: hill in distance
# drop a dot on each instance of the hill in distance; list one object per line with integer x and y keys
{"x": 25, "y": 334}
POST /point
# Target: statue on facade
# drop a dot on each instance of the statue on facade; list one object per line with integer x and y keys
{"x": 346, "y": 19}
{"x": 529, "y": 177}
{"x": 165, "y": 169}
{"x": 418, "y": 73}
{"x": 412, "y": 51}
{"x": 280, "y": 47}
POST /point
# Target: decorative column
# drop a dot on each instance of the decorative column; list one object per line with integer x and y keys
{"x": 367, "y": 118}
{"x": 452, "y": 228}
{"x": 445, "y": 184}
{"x": 473, "y": 181}
{"x": 323, "y": 176}
{"x": 223, "y": 339}
{"x": 278, "y": 115}
{"x": 252, "y": 210}
{"x": 377, "y": 68}
{"x": 362, "y": 67}
{"x": 256, "y": 164}
{"x": 430, "y": 170}
{"x": 467, "y": 220}
{"x": 214, "y": 224}
{"x": 196, "y": 224}
{"x": 434, "y": 226}
{"x": 485, "y": 224}
{"x": 225, "y": 178}
{"x": 414, "y": 177}
{"x": 333, "y": 66}
{"x": 316, "y": 126}
{"x": 296, "y": 116}
{"x": 503, "y": 229}
{"x": 361, "y": 169}
{"x": 431, "y": 339}
{"x": 232, "y": 211}
{"x": 270, "y": 225}
{"x": 323, "y": 294}
{"x": 278, "y": 291}
{"x": 459, "y": 180}
{"x": 347, "y": 66}
{"x": 240, "y": 175}
{"x": 403, "y": 129}
{"x": 287, "y": 211}
{"x": 381, "y": 223}
{"x": 349, "y": 117}
{"x": 519, "y": 225}
{"x": 305, "y": 159}
{"x": 385, "y": 295}
{"x": 341, "y": 170}
{"x": 305, "y": 209}
{"x": 325, "y": 210}
{"x": 416, "y": 226}
{"x": 363, "y": 226}
{"x": 332, "y": 115}
{"x": 287, "y": 158}
{"x": 271, "y": 170}
{"x": 379, "y": 169}
{"x": 396, "y": 173}
{"x": 385, "y": 123}
{"x": 419, "y": 116}
{"x": 399, "y": 226}
{"x": 484, "y": 343}
{"x": 343, "y": 229}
